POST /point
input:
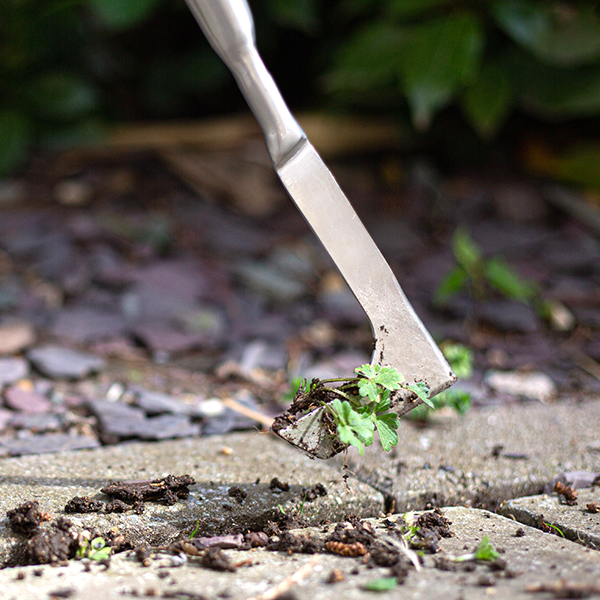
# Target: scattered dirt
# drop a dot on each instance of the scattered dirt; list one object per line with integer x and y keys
{"x": 593, "y": 507}
{"x": 26, "y": 517}
{"x": 83, "y": 505}
{"x": 311, "y": 494}
{"x": 564, "y": 589}
{"x": 280, "y": 486}
{"x": 336, "y": 576}
{"x": 238, "y": 493}
{"x": 568, "y": 493}
{"x": 168, "y": 489}
{"x": 51, "y": 541}
{"x": 216, "y": 559}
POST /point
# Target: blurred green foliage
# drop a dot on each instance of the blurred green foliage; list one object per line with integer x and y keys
{"x": 67, "y": 65}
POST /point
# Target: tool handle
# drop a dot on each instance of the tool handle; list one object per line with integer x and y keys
{"x": 229, "y": 27}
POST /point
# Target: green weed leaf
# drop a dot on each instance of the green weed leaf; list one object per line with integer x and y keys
{"x": 453, "y": 282}
{"x": 460, "y": 358}
{"x": 485, "y": 550}
{"x": 503, "y": 278}
{"x": 381, "y": 585}
{"x": 466, "y": 251}
{"x": 421, "y": 389}
{"x": 387, "y": 425}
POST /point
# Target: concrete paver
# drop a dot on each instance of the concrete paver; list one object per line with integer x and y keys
{"x": 532, "y": 558}
{"x": 575, "y": 522}
{"x": 453, "y": 461}
{"x": 246, "y": 460}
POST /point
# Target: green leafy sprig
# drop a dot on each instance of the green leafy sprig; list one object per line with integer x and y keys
{"x": 362, "y": 405}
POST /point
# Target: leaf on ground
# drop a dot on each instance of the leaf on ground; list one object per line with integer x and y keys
{"x": 485, "y": 550}
{"x": 381, "y": 585}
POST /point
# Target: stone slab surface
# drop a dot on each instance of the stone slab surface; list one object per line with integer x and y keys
{"x": 246, "y": 460}
{"x": 485, "y": 457}
{"x": 575, "y": 522}
{"x": 533, "y": 558}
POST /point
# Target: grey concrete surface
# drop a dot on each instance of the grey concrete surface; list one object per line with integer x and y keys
{"x": 533, "y": 558}
{"x": 575, "y": 522}
{"x": 452, "y": 461}
{"x": 247, "y": 460}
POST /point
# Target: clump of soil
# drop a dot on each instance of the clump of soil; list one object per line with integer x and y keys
{"x": 168, "y": 489}
{"x": 58, "y": 543}
{"x": 238, "y": 493}
{"x": 83, "y": 505}
{"x": 568, "y": 493}
{"x": 316, "y": 491}
{"x": 26, "y": 517}
{"x": 48, "y": 541}
{"x": 279, "y": 486}
{"x": 431, "y": 528}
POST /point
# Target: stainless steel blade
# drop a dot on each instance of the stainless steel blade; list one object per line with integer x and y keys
{"x": 401, "y": 340}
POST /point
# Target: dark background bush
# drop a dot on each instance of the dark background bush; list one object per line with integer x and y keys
{"x": 474, "y": 71}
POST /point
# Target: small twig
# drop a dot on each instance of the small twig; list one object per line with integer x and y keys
{"x": 287, "y": 584}
{"x": 248, "y": 412}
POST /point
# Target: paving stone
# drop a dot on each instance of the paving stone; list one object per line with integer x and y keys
{"x": 575, "y": 522}
{"x": 156, "y": 403}
{"x": 532, "y": 559}
{"x": 486, "y": 457}
{"x": 532, "y": 384}
{"x": 162, "y": 337}
{"x": 36, "y": 422}
{"x": 16, "y": 336}
{"x": 46, "y": 443}
{"x": 121, "y": 421}
{"x": 26, "y": 401}
{"x": 247, "y": 460}
{"x": 509, "y": 315}
{"x": 226, "y": 419}
{"x": 12, "y": 369}
{"x": 87, "y": 324}
{"x": 64, "y": 363}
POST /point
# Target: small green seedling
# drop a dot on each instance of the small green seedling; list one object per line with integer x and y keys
{"x": 485, "y": 551}
{"x": 383, "y": 584}
{"x": 195, "y": 531}
{"x": 554, "y": 528}
{"x": 409, "y": 529}
{"x": 94, "y": 550}
{"x": 481, "y": 276}
{"x": 460, "y": 359}
{"x": 362, "y": 405}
